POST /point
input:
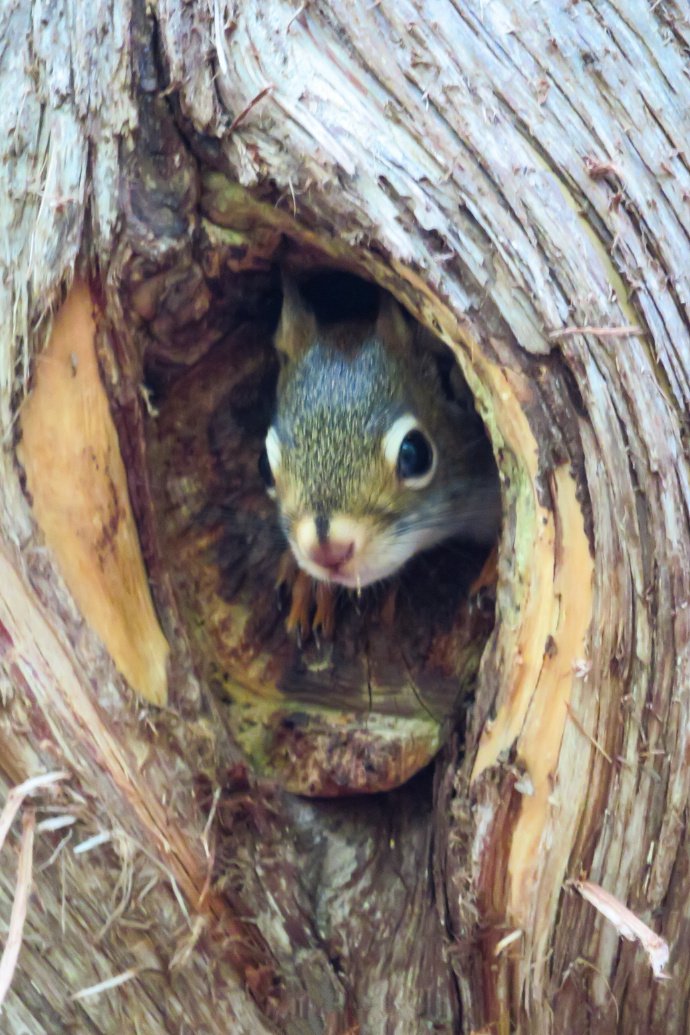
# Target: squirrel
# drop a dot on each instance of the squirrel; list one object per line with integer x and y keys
{"x": 371, "y": 456}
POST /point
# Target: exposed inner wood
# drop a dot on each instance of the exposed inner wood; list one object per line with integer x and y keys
{"x": 74, "y": 472}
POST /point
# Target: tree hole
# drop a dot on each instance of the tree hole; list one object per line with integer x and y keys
{"x": 361, "y": 710}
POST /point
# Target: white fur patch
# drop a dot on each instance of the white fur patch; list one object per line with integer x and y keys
{"x": 273, "y": 452}
{"x": 376, "y": 554}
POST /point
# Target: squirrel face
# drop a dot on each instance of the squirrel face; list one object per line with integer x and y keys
{"x": 369, "y": 460}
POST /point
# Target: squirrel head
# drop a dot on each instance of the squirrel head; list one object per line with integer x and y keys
{"x": 368, "y": 457}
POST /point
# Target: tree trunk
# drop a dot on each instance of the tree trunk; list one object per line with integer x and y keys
{"x": 516, "y": 175}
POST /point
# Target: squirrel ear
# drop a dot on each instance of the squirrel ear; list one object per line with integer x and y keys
{"x": 297, "y": 327}
{"x": 391, "y": 325}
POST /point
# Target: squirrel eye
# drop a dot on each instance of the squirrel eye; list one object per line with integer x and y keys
{"x": 410, "y": 452}
{"x": 415, "y": 459}
{"x": 265, "y": 471}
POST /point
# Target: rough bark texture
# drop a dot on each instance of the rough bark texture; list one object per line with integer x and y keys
{"x": 511, "y": 172}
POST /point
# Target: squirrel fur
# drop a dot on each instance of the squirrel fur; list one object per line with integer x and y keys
{"x": 370, "y": 458}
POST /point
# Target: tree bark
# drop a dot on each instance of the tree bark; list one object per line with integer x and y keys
{"x": 516, "y": 176}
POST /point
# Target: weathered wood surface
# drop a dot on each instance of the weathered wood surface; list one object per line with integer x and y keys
{"x": 509, "y": 171}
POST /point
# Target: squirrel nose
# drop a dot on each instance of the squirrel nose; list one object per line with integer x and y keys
{"x": 331, "y": 553}
{"x": 329, "y": 547}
